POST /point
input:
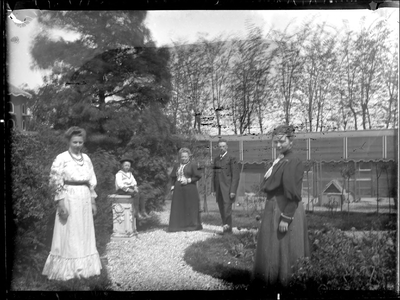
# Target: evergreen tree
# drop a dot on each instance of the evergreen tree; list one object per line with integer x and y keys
{"x": 101, "y": 79}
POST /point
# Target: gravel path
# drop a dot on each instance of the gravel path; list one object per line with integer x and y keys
{"x": 153, "y": 261}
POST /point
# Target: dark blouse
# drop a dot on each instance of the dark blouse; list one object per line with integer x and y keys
{"x": 286, "y": 179}
{"x": 190, "y": 171}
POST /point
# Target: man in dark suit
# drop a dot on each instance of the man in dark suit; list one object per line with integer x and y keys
{"x": 225, "y": 183}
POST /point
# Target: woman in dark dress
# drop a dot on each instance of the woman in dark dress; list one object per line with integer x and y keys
{"x": 185, "y": 207}
{"x": 282, "y": 237}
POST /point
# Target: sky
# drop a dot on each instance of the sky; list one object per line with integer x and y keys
{"x": 168, "y": 26}
{"x": 172, "y": 26}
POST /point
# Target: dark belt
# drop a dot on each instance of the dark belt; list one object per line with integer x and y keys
{"x": 76, "y": 183}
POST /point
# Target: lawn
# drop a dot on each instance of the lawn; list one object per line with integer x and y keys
{"x": 362, "y": 218}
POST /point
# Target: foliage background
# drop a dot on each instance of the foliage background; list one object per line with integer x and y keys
{"x": 134, "y": 99}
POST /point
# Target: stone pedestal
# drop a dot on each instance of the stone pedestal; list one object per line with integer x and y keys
{"x": 124, "y": 221}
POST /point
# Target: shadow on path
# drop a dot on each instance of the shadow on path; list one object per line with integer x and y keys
{"x": 217, "y": 257}
{"x": 150, "y": 224}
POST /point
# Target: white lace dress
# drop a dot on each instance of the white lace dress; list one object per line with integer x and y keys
{"x": 73, "y": 250}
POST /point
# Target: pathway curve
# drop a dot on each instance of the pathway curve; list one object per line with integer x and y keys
{"x": 153, "y": 261}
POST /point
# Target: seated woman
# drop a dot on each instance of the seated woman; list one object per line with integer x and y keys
{"x": 185, "y": 207}
{"x": 125, "y": 184}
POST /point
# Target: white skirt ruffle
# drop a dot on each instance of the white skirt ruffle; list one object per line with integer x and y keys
{"x": 73, "y": 250}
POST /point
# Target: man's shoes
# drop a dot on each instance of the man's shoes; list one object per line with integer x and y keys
{"x": 226, "y": 229}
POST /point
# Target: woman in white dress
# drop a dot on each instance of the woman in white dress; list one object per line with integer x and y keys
{"x": 73, "y": 251}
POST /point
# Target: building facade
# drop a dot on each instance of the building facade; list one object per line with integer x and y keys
{"x": 18, "y": 108}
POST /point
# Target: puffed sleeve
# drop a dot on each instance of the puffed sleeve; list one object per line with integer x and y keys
{"x": 118, "y": 182}
{"x": 194, "y": 172}
{"x": 274, "y": 181}
{"x": 92, "y": 179}
{"x": 292, "y": 179}
{"x": 57, "y": 179}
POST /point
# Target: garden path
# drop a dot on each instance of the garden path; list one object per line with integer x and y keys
{"x": 154, "y": 260}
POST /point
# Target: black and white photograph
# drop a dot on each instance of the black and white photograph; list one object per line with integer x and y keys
{"x": 222, "y": 151}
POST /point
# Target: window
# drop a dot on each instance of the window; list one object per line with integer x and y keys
{"x": 11, "y": 123}
{"x": 11, "y": 107}
{"x": 23, "y": 109}
{"x": 23, "y": 125}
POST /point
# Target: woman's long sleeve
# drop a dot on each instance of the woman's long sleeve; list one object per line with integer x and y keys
{"x": 118, "y": 182}
{"x": 292, "y": 179}
{"x": 195, "y": 174}
{"x": 57, "y": 179}
{"x": 287, "y": 177}
{"x": 92, "y": 179}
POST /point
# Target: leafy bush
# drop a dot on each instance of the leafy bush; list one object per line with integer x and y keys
{"x": 339, "y": 261}
{"x": 104, "y": 165}
{"x": 244, "y": 246}
{"x": 31, "y": 207}
{"x": 151, "y": 149}
{"x": 151, "y": 174}
{"x": 348, "y": 262}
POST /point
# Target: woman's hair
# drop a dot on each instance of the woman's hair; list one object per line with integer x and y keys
{"x": 75, "y": 131}
{"x": 185, "y": 150}
{"x": 288, "y": 130}
{"x": 222, "y": 141}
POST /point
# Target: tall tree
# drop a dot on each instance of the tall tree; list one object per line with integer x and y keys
{"x": 218, "y": 54}
{"x": 289, "y": 67}
{"x": 370, "y": 46}
{"x": 249, "y": 85}
{"x": 390, "y": 76}
{"x": 319, "y": 67}
{"x": 348, "y": 75}
{"x": 112, "y": 63}
{"x": 196, "y": 75}
{"x": 176, "y": 108}
{"x": 189, "y": 78}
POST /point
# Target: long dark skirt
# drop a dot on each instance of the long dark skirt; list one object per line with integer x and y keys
{"x": 277, "y": 252}
{"x": 185, "y": 208}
